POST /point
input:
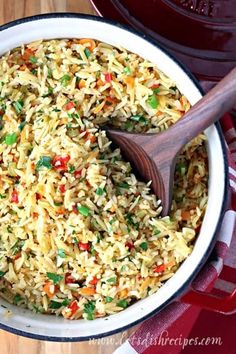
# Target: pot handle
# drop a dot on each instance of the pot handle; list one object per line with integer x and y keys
{"x": 226, "y": 304}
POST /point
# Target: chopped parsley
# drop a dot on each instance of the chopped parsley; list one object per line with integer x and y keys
{"x": 181, "y": 168}
{"x": 21, "y": 126}
{"x": 9, "y": 229}
{"x": 33, "y": 60}
{"x": 122, "y": 303}
{"x": 99, "y": 191}
{"x": 56, "y": 278}
{"x": 10, "y": 139}
{"x": 37, "y": 309}
{"x": 18, "y": 105}
{"x": 123, "y": 268}
{"x": 152, "y": 101}
{"x": 58, "y": 204}
{"x": 17, "y": 298}
{"x": 144, "y": 246}
{"x": 49, "y": 73}
{"x": 2, "y": 273}
{"x": 139, "y": 119}
{"x": 44, "y": 161}
{"x": 112, "y": 280}
{"x": 108, "y": 299}
{"x": 56, "y": 304}
{"x": 89, "y": 309}
{"x": 156, "y": 90}
{"x": 128, "y": 125}
{"x": 49, "y": 93}
{"x": 83, "y": 210}
{"x": 71, "y": 169}
{"x": 127, "y": 70}
{"x": 74, "y": 240}
{"x": 17, "y": 247}
{"x": 130, "y": 221}
{"x": 93, "y": 251}
{"x": 61, "y": 253}
{"x": 112, "y": 221}
{"x": 65, "y": 80}
{"x": 87, "y": 53}
{"x": 123, "y": 185}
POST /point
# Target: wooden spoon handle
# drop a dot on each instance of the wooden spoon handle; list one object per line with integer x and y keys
{"x": 207, "y": 111}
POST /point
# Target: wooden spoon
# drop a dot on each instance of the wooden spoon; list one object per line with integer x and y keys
{"x": 154, "y": 155}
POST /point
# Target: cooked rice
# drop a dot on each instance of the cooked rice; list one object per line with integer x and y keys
{"x": 80, "y": 235}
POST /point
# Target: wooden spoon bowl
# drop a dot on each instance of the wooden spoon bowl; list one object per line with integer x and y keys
{"x": 154, "y": 155}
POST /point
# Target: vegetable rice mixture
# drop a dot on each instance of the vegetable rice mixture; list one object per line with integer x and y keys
{"x": 80, "y": 236}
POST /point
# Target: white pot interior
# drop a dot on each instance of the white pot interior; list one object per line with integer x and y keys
{"x": 65, "y": 27}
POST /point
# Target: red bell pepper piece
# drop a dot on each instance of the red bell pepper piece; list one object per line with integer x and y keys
{"x": 108, "y": 77}
{"x": 84, "y": 246}
{"x": 73, "y": 307}
{"x": 69, "y": 105}
{"x": 77, "y": 173}
{"x": 94, "y": 281}
{"x": 160, "y": 268}
{"x": 14, "y": 197}
{"x": 69, "y": 279}
{"x": 62, "y": 188}
{"x": 130, "y": 245}
{"x": 60, "y": 162}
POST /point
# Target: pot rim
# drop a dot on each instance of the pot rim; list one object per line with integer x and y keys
{"x": 202, "y": 261}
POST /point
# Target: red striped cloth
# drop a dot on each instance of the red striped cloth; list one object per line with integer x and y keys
{"x": 218, "y": 275}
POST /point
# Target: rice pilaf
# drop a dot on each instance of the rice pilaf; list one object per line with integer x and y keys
{"x": 80, "y": 236}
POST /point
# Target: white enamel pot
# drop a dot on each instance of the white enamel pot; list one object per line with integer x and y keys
{"x": 64, "y": 25}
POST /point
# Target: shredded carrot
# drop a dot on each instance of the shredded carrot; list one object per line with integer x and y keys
{"x": 18, "y": 255}
{"x": 27, "y": 54}
{"x": 23, "y": 67}
{"x": 112, "y": 209}
{"x": 89, "y": 41}
{"x": 87, "y": 291}
{"x": 145, "y": 284}
{"x": 92, "y": 138}
{"x": 184, "y": 103}
{"x": 100, "y": 82}
{"x": 49, "y": 289}
{"x": 159, "y": 269}
{"x": 123, "y": 293}
{"x": 60, "y": 212}
{"x": 88, "y": 184}
{"x": 70, "y": 42}
{"x": 109, "y": 101}
{"x": 185, "y": 215}
{"x": 129, "y": 80}
{"x": 82, "y": 83}
{"x": 162, "y": 267}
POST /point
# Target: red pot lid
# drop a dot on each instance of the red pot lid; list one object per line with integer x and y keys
{"x": 201, "y": 33}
